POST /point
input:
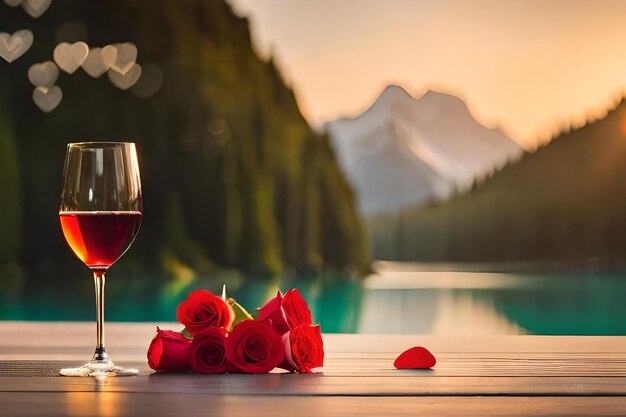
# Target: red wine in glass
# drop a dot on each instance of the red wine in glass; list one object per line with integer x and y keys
{"x": 100, "y": 213}
{"x": 100, "y": 238}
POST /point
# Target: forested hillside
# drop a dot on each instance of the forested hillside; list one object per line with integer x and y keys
{"x": 565, "y": 202}
{"x": 233, "y": 176}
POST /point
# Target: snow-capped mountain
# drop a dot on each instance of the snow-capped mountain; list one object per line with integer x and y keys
{"x": 404, "y": 151}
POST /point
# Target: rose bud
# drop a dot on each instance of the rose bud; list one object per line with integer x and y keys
{"x": 168, "y": 352}
{"x": 207, "y": 353}
{"x": 296, "y": 309}
{"x": 254, "y": 347}
{"x": 203, "y": 309}
{"x": 304, "y": 349}
{"x": 274, "y": 314}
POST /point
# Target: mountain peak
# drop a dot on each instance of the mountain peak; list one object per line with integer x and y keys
{"x": 432, "y": 143}
{"x": 396, "y": 92}
{"x": 391, "y": 96}
{"x": 393, "y": 91}
{"x": 431, "y": 97}
{"x": 395, "y": 99}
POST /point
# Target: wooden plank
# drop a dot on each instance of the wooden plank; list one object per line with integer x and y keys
{"x": 190, "y": 405}
{"x": 448, "y": 365}
{"x": 320, "y": 385}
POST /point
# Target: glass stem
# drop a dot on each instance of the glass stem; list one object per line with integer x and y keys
{"x": 100, "y": 354}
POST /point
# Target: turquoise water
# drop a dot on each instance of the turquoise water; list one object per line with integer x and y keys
{"x": 397, "y": 300}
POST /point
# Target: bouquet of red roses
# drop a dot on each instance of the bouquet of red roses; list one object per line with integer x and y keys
{"x": 221, "y": 336}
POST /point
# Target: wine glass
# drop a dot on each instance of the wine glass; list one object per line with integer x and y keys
{"x": 100, "y": 214}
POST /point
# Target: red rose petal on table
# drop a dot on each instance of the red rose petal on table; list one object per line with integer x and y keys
{"x": 415, "y": 358}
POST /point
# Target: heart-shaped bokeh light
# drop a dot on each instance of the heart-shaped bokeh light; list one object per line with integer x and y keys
{"x": 35, "y": 8}
{"x": 44, "y": 74}
{"x": 99, "y": 60}
{"x": 13, "y": 3}
{"x": 126, "y": 80}
{"x": 14, "y": 46}
{"x": 126, "y": 57}
{"x": 47, "y": 99}
{"x": 70, "y": 56}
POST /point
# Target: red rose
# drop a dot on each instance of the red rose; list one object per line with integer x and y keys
{"x": 203, "y": 309}
{"x": 296, "y": 309}
{"x": 168, "y": 352}
{"x": 304, "y": 349}
{"x": 207, "y": 353}
{"x": 254, "y": 347}
{"x": 286, "y": 312}
{"x": 274, "y": 314}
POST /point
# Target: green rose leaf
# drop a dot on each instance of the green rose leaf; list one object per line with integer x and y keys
{"x": 186, "y": 333}
{"x": 241, "y": 313}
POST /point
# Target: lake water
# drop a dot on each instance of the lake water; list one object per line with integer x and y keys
{"x": 400, "y": 298}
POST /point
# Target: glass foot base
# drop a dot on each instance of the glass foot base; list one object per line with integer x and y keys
{"x": 99, "y": 368}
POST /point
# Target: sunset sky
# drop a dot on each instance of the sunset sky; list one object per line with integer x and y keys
{"x": 527, "y": 66}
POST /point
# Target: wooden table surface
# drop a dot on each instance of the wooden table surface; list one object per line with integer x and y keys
{"x": 502, "y": 375}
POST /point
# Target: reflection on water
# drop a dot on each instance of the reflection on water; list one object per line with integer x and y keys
{"x": 399, "y": 299}
{"x": 435, "y": 301}
{"x": 432, "y": 311}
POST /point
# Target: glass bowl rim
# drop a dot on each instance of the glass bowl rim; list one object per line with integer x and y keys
{"x": 97, "y": 143}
